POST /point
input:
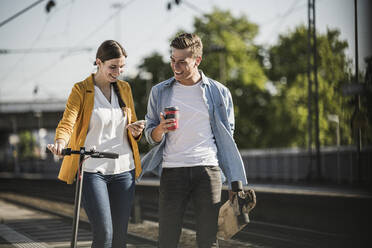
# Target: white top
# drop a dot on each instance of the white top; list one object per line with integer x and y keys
{"x": 107, "y": 133}
{"x": 192, "y": 144}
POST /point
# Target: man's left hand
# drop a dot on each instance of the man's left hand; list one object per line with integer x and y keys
{"x": 231, "y": 195}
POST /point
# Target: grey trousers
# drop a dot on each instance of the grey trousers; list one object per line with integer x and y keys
{"x": 201, "y": 184}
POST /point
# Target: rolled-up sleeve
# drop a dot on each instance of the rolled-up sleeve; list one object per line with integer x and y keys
{"x": 152, "y": 116}
{"x": 230, "y": 110}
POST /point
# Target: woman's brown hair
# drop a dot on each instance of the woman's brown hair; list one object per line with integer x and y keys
{"x": 110, "y": 49}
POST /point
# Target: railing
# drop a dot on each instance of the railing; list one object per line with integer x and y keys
{"x": 338, "y": 165}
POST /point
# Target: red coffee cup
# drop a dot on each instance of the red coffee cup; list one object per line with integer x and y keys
{"x": 170, "y": 113}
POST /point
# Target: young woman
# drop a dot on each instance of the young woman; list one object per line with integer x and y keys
{"x": 100, "y": 113}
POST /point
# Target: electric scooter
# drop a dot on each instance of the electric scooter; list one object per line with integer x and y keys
{"x": 79, "y": 182}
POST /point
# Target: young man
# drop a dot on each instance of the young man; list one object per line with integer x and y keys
{"x": 190, "y": 157}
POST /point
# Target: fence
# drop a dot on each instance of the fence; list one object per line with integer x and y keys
{"x": 338, "y": 165}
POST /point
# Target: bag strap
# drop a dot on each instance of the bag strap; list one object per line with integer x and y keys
{"x": 116, "y": 89}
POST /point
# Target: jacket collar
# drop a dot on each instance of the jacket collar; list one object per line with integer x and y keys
{"x": 172, "y": 80}
{"x": 204, "y": 78}
{"x": 90, "y": 83}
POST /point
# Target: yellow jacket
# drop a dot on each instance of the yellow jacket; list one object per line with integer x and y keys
{"x": 74, "y": 125}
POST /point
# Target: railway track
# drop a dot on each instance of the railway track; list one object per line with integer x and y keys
{"x": 259, "y": 233}
{"x": 25, "y": 227}
{"x": 56, "y": 200}
{"x": 267, "y": 234}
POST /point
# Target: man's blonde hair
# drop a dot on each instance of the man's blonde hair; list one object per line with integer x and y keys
{"x": 191, "y": 41}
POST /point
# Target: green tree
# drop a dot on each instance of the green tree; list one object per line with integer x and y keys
{"x": 27, "y": 144}
{"x": 231, "y": 57}
{"x": 152, "y": 70}
{"x": 288, "y": 73}
{"x": 269, "y": 86}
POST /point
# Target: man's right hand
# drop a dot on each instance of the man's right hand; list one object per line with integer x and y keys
{"x": 57, "y": 147}
{"x": 162, "y": 128}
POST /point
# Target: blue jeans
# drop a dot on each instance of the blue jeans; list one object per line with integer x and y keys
{"x": 200, "y": 184}
{"x": 107, "y": 200}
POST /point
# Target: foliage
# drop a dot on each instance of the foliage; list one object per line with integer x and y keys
{"x": 231, "y": 57}
{"x": 152, "y": 70}
{"x": 288, "y": 73}
{"x": 269, "y": 86}
{"x": 27, "y": 144}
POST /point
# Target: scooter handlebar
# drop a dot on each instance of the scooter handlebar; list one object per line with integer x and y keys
{"x": 92, "y": 153}
{"x": 66, "y": 152}
{"x": 105, "y": 155}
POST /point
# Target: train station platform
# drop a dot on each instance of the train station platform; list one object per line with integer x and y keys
{"x": 27, "y": 228}
{"x": 23, "y": 227}
{"x": 316, "y": 215}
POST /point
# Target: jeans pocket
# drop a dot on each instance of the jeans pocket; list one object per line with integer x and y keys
{"x": 214, "y": 174}
{"x": 213, "y": 168}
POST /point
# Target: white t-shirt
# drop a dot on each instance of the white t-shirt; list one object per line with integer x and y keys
{"x": 192, "y": 144}
{"x": 107, "y": 133}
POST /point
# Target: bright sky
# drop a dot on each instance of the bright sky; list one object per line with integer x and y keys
{"x": 141, "y": 26}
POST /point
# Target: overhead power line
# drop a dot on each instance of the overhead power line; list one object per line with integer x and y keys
{"x": 20, "y": 13}
{"x": 44, "y": 50}
{"x": 69, "y": 51}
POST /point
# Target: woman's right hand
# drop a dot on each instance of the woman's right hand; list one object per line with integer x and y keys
{"x": 57, "y": 147}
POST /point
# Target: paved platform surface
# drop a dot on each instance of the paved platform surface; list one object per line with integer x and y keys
{"x": 341, "y": 210}
{"x": 26, "y": 228}
{"x": 22, "y": 227}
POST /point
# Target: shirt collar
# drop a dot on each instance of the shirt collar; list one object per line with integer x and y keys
{"x": 204, "y": 80}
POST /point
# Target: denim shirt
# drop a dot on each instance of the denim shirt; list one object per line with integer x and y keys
{"x": 221, "y": 114}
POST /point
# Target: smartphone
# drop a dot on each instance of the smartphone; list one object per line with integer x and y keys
{"x": 139, "y": 122}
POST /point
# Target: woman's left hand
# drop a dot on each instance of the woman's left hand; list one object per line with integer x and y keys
{"x": 136, "y": 128}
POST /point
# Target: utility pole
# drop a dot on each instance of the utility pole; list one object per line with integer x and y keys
{"x": 357, "y": 96}
{"x": 310, "y": 88}
{"x": 14, "y": 142}
{"x": 313, "y": 70}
